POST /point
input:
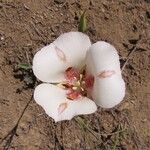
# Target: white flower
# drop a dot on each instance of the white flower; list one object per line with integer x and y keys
{"x": 63, "y": 62}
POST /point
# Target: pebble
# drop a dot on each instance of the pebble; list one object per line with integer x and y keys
{"x": 2, "y": 38}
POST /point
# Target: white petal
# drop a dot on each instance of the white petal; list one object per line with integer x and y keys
{"x": 46, "y": 65}
{"x": 108, "y": 92}
{"x": 103, "y": 63}
{"x": 68, "y": 50}
{"x": 56, "y": 105}
{"x": 75, "y": 46}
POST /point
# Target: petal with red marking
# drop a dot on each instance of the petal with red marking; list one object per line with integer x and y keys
{"x": 62, "y": 108}
{"x": 106, "y": 74}
{"x": 53, "y": 100}
{"x": 75, "y": 46}
{"x": 68, "y": 50}
{"x": 103, "y": 63}
{"x": 61, "y": 55}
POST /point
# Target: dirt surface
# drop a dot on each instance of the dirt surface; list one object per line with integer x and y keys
{"x": 28, "y": 25}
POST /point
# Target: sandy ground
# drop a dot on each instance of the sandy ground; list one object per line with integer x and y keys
{"x": 28, "y": 25}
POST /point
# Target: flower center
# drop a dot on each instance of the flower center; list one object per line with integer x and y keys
{"x": 78, "y": 83}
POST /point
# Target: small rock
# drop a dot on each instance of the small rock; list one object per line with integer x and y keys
{"x": 2, "y": 38}
{"x": 144, "y": 120}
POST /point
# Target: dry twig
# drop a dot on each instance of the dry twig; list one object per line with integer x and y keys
{"x": 128, "y": 58}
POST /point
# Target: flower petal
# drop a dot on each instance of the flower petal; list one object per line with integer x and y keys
{"x": 47, "y": 67}
{"x": 56, "y": 105}
{"x": 103, "y": 63}
{"x": 68, "y": 50}
{"x": 75, "y": 46}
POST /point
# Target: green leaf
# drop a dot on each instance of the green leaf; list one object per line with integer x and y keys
{"x": 25, "y": 66}
{"x": 83, "y": 23}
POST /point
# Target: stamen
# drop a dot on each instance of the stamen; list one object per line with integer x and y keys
{"x": 74, "y": 88}
{"x": 78, "y": 83}
{"x": 60, "y": 85}
{"x": 82, "y": 89}
{"x": 81, "y": 76}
